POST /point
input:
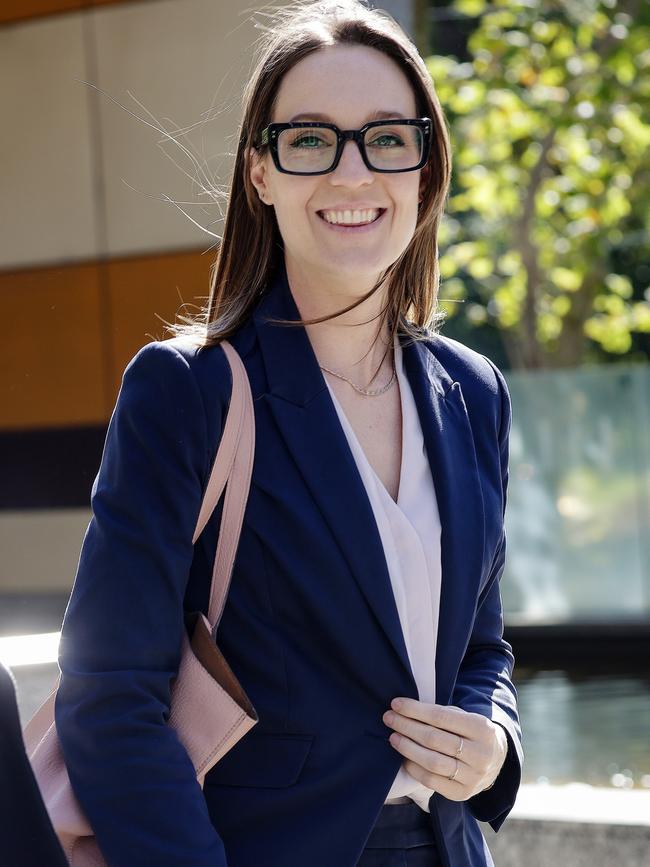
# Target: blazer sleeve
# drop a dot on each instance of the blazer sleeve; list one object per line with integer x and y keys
{"x": 122, "y": 629}
{"x": 484, "y": 683}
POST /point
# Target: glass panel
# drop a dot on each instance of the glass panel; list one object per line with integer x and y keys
{"x": 578, "y": 515}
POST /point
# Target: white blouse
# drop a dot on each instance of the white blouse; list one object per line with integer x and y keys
{"x": 410, "y": 533}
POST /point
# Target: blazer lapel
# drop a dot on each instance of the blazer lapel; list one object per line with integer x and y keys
{"x": 449, "y": 442}
{"x": 301, "y": 405}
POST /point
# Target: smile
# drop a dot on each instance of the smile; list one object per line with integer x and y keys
{"x": 355, "y": 229}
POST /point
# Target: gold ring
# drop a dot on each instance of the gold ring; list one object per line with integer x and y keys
{"x": 460, "y": 749}
{"x": 453, "y": 776}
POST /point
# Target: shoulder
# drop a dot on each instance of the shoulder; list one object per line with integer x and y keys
{"x": 177, "y": 366}
{"x": 483, "y": 384}
{"x": 180, "y": 355}
{"x": 179, "y": 391}
{"x": 471, "y": 368}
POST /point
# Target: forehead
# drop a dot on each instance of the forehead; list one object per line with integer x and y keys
{"x": 346, "y": 85}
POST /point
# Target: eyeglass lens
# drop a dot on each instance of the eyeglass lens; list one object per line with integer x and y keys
{"x": 313, "y": 149}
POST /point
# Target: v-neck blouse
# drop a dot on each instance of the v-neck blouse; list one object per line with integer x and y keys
{"x": 410, "y": 533}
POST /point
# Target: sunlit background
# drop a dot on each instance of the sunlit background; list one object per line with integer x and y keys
{"x": 120, "y": 124}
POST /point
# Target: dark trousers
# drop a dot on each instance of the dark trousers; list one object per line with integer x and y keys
{"x": 401, "y": 837}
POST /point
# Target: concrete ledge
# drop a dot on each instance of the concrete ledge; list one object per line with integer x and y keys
{"x": 574, "y": 826}
{"x": 540, "y": 843}
{"x": 580, "y": 802}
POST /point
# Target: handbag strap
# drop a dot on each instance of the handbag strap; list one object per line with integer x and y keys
{"x": 232, "y": 469}
{"x": 233, "y": 465}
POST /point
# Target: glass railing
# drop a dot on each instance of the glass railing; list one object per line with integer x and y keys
{"x": 578, "y": 515}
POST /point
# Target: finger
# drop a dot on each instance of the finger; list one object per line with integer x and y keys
{"x": 452, "y": 789}
{"x": 429, "y": 736}
{"x": 447, "y": 717}
{"x": 430, "y": 761}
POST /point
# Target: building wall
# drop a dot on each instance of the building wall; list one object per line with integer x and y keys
{"x": 94, "y": 254}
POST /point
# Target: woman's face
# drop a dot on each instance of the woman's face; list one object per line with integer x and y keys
{"x": 346, "y": 84}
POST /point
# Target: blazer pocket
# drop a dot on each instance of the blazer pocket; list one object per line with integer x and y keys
{"x": 262, "y": 760}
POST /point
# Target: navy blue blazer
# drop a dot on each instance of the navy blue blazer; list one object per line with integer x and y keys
{"x": 310, "y": 625}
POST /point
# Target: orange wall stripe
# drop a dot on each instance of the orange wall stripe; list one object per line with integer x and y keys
{"x": 71, "y": 330}
{"x": 21, "y": 10}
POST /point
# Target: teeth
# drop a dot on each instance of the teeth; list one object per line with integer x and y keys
{"x": 351, "y": 216}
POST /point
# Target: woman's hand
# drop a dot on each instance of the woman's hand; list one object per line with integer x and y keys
{"x": 429, "y": 737}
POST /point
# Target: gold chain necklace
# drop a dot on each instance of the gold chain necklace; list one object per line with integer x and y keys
{"x": 371, "y": 392}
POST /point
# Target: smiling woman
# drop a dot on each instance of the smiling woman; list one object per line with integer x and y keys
{"x": 350, "y": 159}
{"x": 326, "y": 171}
{"x": 372, "y": 543}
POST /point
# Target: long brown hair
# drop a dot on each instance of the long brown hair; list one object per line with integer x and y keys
{"x": 251, "y": 244}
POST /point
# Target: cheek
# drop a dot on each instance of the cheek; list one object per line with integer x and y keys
{"x": 404, "y": 197}
{"x": 293, "y": 205}
{"x": 293, "y": 219}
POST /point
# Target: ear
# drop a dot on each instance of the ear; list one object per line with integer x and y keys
{"x": 258, "y": 176}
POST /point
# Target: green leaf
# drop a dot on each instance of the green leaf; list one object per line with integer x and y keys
{"x": 480, "y": 268}
{"x": 620, "y": 284}
{"x": 566, "y": 279}
{"x": 471, "y": 8}
{"x": 641, "y": 316}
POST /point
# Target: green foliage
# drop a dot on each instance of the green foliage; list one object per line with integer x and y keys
{"x": 550, "y": 129}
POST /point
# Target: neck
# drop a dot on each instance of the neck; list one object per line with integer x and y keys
{"x": 342, "y": 343}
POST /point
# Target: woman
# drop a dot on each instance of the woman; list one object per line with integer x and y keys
{"x": 373, "y": 540}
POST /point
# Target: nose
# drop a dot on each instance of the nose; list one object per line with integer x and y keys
{"x": 351, "y": 164}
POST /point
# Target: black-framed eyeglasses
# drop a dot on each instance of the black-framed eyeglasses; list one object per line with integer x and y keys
{"x": 309, "y": 148}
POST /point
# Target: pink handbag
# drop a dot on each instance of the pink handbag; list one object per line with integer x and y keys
{"x": 209, "y": 709}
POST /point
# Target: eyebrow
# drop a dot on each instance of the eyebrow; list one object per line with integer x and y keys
{"x": 314, "y": 115}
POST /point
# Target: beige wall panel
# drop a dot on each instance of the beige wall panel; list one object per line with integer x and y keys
{"x": 185, "y": 61}
{"x": 40, "y": 548}
{"x": 46, "y": 201}
{"x": 51, "y": 368}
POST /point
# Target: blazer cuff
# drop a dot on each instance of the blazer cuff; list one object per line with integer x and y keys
{"x": 493, "y": 804}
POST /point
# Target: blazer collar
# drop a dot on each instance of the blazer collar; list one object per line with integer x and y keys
{"x": 302, "y": 406}
{"x": 300, "y": 382}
